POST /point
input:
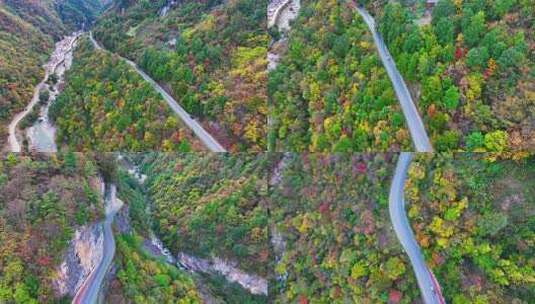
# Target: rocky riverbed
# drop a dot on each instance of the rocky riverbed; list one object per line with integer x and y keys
{"x": 41, "y": 135}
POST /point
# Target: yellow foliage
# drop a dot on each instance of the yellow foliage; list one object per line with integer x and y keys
{"x": 251, "y": 131}
{"x": 315, "y": 92}
{"x": 206, "y": 25}
{"x": 216, "y": 88}
{"x": 474, "y": 87}
{"x": 442, "y": 242}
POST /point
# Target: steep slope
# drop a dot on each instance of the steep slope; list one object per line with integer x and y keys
{"x": 329, "y": 91}
{"x": 79, "y": 13}
{"x": 211, "y": 205}
{"x": 43, "y": 200}
{"x": 474, "y": 218}
{"x": 210, "y": 55}
{"x": 28, "y": 30}
{"x": 226, "y": 255}
{"x": 141, "y": 278}
{"x": 470, "y": 67}
{"x": 331, "y": 232}
{"x": 107, "y": 106}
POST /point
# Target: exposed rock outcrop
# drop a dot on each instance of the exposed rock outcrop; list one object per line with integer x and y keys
{"x": 84, "y": 253}
{"x": 255, "y": 284}
{"x": 122, "y": 220}
{"x": 165, "y": 9}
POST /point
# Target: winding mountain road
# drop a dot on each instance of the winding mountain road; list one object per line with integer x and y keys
{"x": 56, "y": 59}
{"x": 429, "y": 287}
{"x": 13, "y": 142}
{"x": 89, "y": 291}
{"x": 414, "y": 122}
{"x": 191, "y": 123}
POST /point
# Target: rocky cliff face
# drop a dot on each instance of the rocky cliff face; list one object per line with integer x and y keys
{"x": 165, "y": 9}
{"x": 83, "y": 255}
{"x": 122, "y": 220}
{"x": 255, "y": 284}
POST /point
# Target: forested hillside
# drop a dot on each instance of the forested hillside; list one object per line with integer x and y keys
{"x": 43, "y": 199}
{"x": 28, "y": 30}
{"x": 201, "y": 205}
{"x": 470, "y": 66}
{"x": 211, "y": 205}
{"x": 79, "y": 13}
{"x": 107, "y": 106}
{"x": 474, "y": 217}
{"x": 210, "y": 55}
{"x": 143, "y": 279}
{"x": 330, "y": 92}
{"x": 335, "y": 243}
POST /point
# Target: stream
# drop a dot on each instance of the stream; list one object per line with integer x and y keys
{"x": 276, "y": 238}
{"x": 41, "y": 135}
{"x": 155, "y": 247}
{"x": 164, "y": 10}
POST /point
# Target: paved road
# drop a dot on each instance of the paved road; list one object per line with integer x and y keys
{"x": 56, "y": 59}
{"x": 414, "y": 122}
{"x": 12, "y": 140}
{"x": 427, "y": 283}
{"x": 89, "y": 291}
{"x": 201, "y": 133}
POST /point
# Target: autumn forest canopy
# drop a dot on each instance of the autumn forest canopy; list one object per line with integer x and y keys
{"x": 467, "y": 65}
{"x": 112, "y": 111}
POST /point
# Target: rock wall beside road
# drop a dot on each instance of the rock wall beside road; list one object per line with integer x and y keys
{"x": 84, "y": 253}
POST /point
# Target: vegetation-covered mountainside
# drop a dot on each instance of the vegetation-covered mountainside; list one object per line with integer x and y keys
{"x": 79, "y": 13}
{"x": 143, "y": 279}
{"x": 42, "y": 201}
{"x": 107, "y": 106}
{"x": 475, "y": 220}
{"x": 211, "y": 205}
{"x": 144, "y": 217}
{"x": 331, "y": 214}
{"x": 330, "y": 92}
{"x": 471, "y": 68}
{"x": 210, "y": 55}
{"x": 28, "y": 30}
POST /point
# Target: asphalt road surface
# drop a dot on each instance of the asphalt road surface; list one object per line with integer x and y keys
{"x": 191, "y": 123}
{"x": 414, "y": 122}
{"x": 429, "y": 288}
{"x": 56, "y": 59}
{"x": 90, "y": 289}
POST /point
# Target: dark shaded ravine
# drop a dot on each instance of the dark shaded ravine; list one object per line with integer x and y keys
{"x": 254, "y": 284}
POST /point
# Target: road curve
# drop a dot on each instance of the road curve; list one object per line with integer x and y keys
{"x": 414, "y": 122}
{"x": 427, "y": 283}
{"x": 89, "y": 291}
{"x": 50, "y": 68}
{"x": 201, "y": 133}
{"x": 13, "y": 142}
